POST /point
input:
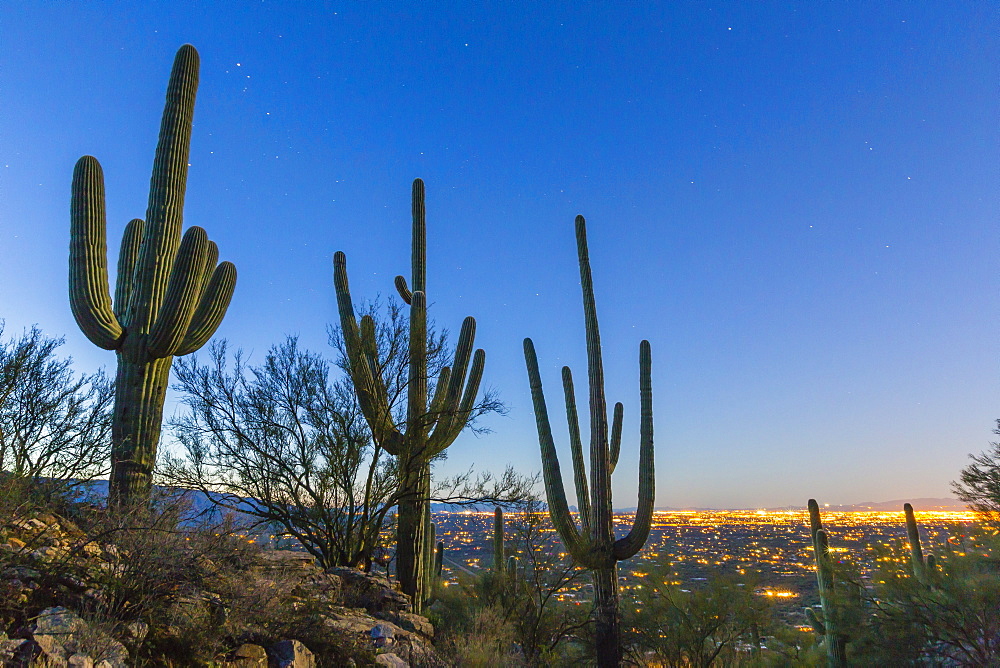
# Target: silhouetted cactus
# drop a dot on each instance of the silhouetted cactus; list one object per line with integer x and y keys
{"x": 430, "y": 426}
{"x": 923, "y": 568}
{"x": 169, "y": 295}
{"x": 830, "y": 625}
{"x": 594, "y": 545}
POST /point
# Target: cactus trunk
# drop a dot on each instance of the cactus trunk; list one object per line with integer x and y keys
{"x": 135, "y": 432}
{"x": 498, "y": 557}
{"x": 593, "y": 544}
{"x": 412, "y": 515}
{"x": 606, "y": 616}
{"x": 169, "y": 297}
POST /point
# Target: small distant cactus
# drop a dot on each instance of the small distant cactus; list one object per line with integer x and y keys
{"x": 170, "y": 294}
{"x": 499, "y": 565}
{"x": 593, "y": 545}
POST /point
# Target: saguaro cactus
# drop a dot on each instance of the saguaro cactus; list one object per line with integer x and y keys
{"x": 923, "y": 568}
{"x": 830, "y": 625}
{"x": 499, "y": 564}
{"x": 169, "y": 296}
{"x": 430, "y": 427}
{"x": 593, "y": 545}
{"x": 435, "y": 559}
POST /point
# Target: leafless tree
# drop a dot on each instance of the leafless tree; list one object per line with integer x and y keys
{"x": 55, "y": 426}
{"x": 979, "y": 482}
{"x": 285, "y": 443}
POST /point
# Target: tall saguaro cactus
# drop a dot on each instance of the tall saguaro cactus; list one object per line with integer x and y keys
{"x": 830, "y": 626}
{"x": 170, "y": 296}
{"x": 430, "y": 426}
{"x": 593, "y": 544}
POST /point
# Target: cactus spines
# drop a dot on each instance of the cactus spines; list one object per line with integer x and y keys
{"x": 829, "y": 626}
{"x": 593, "y": 545}
{"x": 430, "y": 427}
{"x": 170, "y": 296}
{"x": 923, "y": 567}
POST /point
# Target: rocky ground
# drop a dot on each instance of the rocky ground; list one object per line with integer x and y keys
{"x": 110, "y": 597}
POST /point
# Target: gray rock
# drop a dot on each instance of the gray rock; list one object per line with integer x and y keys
{"x": 291, "y": 654}
{"x": 80, "y": 661}
{"x": 53, "y": 653}
{"x": 371, "y": 592}
{"x": 58, "y": 621}
{"x": 245, "y": 656}
{"x": 415, "y": 623}
{"x": 9, "y": 648}
{"x": 390, "y": 660}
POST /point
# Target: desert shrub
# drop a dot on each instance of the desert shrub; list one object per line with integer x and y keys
{"x": 483, "y": 638}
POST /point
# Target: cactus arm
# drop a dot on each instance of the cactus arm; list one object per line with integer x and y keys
{"x": 636, "y": 538}
{"x": 90, "y": 298}
{"x": 555, "y": 493}
{"x": 439, "y": 559}
{"x": 616, "y": 435}
{"x": 576, "y": 448}
{"x": 472, "y": 384}
{"x": 403, "y": 290}
{"x": 211, "y": 308}
{"x": 182, "y": 294}
{"x": 440, "y": 390}
{"x": 127, "y": 255}
{"x": 164, "y": 215}
{"x": 369, "y": 346}
{"x": 441, "y": 439}
{"x": 211, "y": 263}
{"x": 457, "y": 406}
{"x": 374, "y": 406}
{"x": 815, "y": 621}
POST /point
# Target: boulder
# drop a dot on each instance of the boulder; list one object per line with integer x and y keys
{"x": 245, "y": 656}
{"x": 374, "y": 593}
{"x": 390, "y": 660}
{"x": 57, "y": 621}
{"x": 291, "y": 654}
{"x": 59, "y": 637}
{"x": 415, "y": 623}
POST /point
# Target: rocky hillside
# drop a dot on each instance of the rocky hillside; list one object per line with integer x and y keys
{"x": 141, "y": 591}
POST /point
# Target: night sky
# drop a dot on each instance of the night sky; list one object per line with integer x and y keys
{"x": 796, "y": 203}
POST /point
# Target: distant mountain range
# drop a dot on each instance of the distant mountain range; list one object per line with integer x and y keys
{"x": 867, "y": 506}
{"x": 202, "y": 503}
{"x": 918, "y": 504}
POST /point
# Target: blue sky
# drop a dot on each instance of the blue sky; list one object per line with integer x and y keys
{"x": 794, "y": 202}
